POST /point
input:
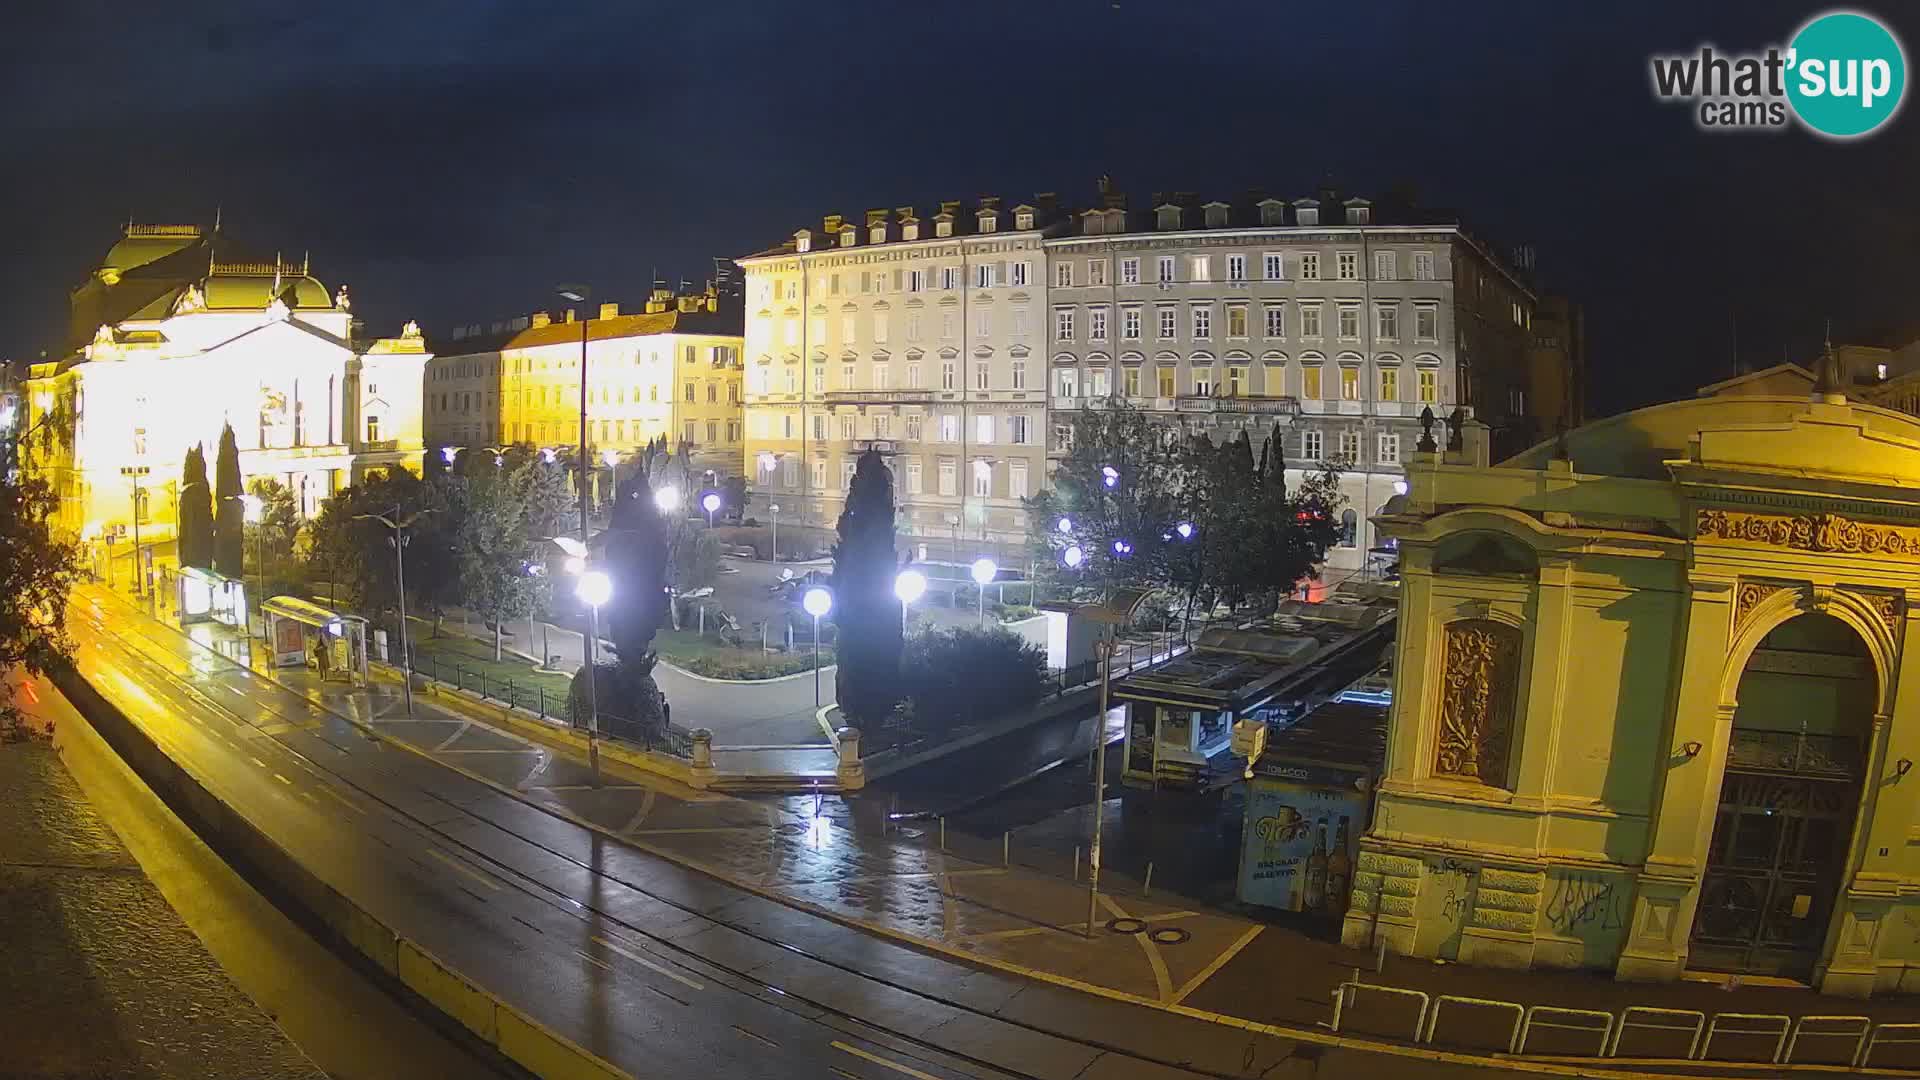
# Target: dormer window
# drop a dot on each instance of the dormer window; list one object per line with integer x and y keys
{"x": 1307, "y": 212}
{"x": 847, "y": 236}
{"x": 1167, "y": 217}
{"x": 943, "y": 225}
{"x": 1216, "y": 215}
{"x": 910, "y": 230}
{"x": 1359, "y": 212}
{"x": 1023, "y": 219}
{"x": 877, "y": 234}
{"x": 802, "y": 240}
{"x": 1273, "y": 212}
{"x": 989, "y": 221}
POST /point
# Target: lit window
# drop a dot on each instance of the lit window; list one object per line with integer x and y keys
{"x": 1389, "y": 384}
{"x": 1237, "y": 381}
{"x": 1350, "y": 384}
{"x": 1202, "y": 268}
{"x": 1310, "y": 383}
{"x": 1429, "y": 386}
{"x": 1236, "y": 320}
{"x": 1165, "y": 382}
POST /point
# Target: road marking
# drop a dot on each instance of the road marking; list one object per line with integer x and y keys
{"x": 283, "y": 779}
{"x": 308, "y": 795}
{"x": 646, "y": 805}
{"x": 464, "y": 869}
{"x": 491, "y": 750}
{"x": 1218, "y": 962}
{"x": 596, "y": 962}
{"x": 669, "y": 997}
{"x": 646, "y": 963}
{"x": 260, "y": 763}
{"x": 841, "y": 1072}
{"x": 457, "y": 732}
{"x": 904, "y": 1070}
{"x": 762, "y": 1038}
{"x": 1078, "y": 929}
{"x": 1162, "y": 981}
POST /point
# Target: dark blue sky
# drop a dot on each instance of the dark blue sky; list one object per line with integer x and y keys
{"x": 451, "y": 160}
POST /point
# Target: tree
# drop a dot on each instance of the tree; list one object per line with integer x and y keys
{"x": 270, "y": 540}
{"x": 734, "y": 491}
{"x": 229, "y": 513}
{"x": 635, "y": 558}
{"x": 866, "y": 611}
{"x": 194, "y": 517}
{"x": 495, "y": 545}
{"x": 37, "y": 570}
{"x": 356, "y": 552}
{"x": 1148, "y": 477}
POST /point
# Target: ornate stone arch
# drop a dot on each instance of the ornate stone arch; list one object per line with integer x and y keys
{"x": 1858, "y": 612}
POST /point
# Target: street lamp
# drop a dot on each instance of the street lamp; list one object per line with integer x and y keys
{"x": 1073, "y": 556}
{"x": 710, "y": 502}
{"x": 908, "y": 585}
{"x": 252, "y": 511}
{"x": 1185, "y": 529}
{"x": 667, "y": 499}
{"x": 399, "y": 541}
{"x": 773, "y": 554}
{"x": 817, "y": 602}
{"x": 1065, "y": 526}
{"x": 448, "y": 453}
{"x": 1110, "y": 476}
{"x": 594, "y": 590}
{"x": 134, "y": 473}
{"x": 1399, "y": 487}
{"x": 983, "y": 571}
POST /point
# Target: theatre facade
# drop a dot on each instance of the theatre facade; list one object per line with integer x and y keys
{"x": 1650, "y": 712}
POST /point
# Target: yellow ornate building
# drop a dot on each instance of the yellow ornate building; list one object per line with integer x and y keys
{"x": 173, "y": 338}
{"x": 1650, "y": 710}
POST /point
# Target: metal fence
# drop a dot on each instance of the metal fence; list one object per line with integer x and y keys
{"x": 535, "y": 698}
{"x": 1637, "y": 1031}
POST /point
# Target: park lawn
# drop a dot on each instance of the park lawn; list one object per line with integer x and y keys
{"x": 475, "y": 657}
{"x": 708, "y": 656}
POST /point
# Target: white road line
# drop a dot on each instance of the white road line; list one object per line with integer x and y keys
{"x": 646, "y": 963}
{"x": 343, "y": 800}
{"x": 462, "y": 868}
{"x": 595, "y": 961}
{"x": 905, "y": 1070}
{"x": 260, "y": 763}
{"x": 283, "y": 779}
{"x": 756, "y": 1037}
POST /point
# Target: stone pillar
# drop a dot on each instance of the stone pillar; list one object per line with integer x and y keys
{"x": 853, "y": 774}
{"x": 703, "y": 770}
{"x": 1689, "y": 787}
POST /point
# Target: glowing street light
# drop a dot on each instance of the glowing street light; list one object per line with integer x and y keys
{"x": 448, "y": 453}
{"x": 1073, "y": 557}
{"x": 983, "y": 570}
{"x": 667, "y": 499}
{"x": 710, "y": 502}
{"x": 908, "y": 585}
{"x": 1122, "y": 548}
{"x": 817, "y": 602}
{"x": 609, "y": 458}
{"x": 573, "y": 564}
{"x": 773, "y": 554}
{"x": 594, "y": 590}
{"x": 547, "y": 454}
{"x": 1185, "y": 529}
{"x": 1110, "y": 476}
{"x": 1065, "y": 526}
{"x": 1399, "y": 487}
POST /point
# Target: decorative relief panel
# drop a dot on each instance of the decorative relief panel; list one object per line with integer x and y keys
{"x": 1808, "y": 532}
{"x": 1482, "y": 660}
{"x": 1748, "y": 598}
{"x": 1890, "y": 608}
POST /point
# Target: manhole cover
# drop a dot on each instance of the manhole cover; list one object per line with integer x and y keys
{"x": 1170, "y": 935}
{"x": 1119, "y": 925}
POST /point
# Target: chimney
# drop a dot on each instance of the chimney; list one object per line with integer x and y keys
{"x": 1046, "y": 201}
{"x": 950, "y": 207}
{"x": 609, "y": 311}
{"x": 569, "y": 314}
{"x": 989, "y": 202}
{"x": 831, "y": 224}
{"x": 539, "y": 319}
{"x": 1105, "y": 184}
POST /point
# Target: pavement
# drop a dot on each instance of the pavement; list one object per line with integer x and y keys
{"x": 717, "y": 936}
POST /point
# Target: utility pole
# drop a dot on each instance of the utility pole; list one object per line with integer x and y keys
{"x": 399, "y": 526}
{"x": 134, "y": 473}
{"x": 580, "y": 294}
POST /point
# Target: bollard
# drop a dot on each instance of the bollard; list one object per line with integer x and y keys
{"x": 1076, "y": 862}
{"x": 1006, "y": 849}
{"x": 943, "y": 834}
{"x": 852, "y": 773}
{"x": 1147, "y": 887}
{"x": 1380, "y": 957}
{"x": 702, "y": 757}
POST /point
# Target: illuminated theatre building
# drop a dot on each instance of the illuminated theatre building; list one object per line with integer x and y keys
{"x": 170, "y": 339}
{"x": 1652, "y": 712}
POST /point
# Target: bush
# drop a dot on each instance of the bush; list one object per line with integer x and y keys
{"x": 964, "y": 676}
{"x": 772, "y": 667}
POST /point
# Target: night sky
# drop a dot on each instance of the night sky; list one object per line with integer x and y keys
{"x": 450, "y": 161}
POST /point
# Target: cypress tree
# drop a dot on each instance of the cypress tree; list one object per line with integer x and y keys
{"x": 195, "y": 518}
{"x": 229, "y": 513}
{"x": 865, "y": 609}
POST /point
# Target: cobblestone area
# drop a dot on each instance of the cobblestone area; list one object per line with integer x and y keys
{"x": 101, "y": 978}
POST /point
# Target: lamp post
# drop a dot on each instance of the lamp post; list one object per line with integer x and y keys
{"x": 817, "y": 602}
{"x": 774, "y": 553}
{"x": 595, "y": 589}
{"x": 252, "y": 510}
{"x": 710, "y": 502}
{"x": 1116, "y": 611}
{"x": 908, "y": 585}
{"x": 134, "y": 473}
{"x": 983, "y": 571}
{"x": 399, "y": 539}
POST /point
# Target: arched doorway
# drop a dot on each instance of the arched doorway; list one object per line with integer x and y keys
{"x": 1788, "y": 801}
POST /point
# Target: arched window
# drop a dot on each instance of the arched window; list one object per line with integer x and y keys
{"x": 1349, "y": 528}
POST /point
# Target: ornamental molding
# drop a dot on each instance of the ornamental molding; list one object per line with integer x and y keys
{"x": 1481, "y": 664}
{"x": 1822, "y": 533}
{"x": 1749, "y": 596}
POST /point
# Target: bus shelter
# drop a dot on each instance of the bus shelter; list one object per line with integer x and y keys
{"x": 331, "y": 642}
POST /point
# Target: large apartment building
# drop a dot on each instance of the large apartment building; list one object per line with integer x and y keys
{"x": 922, "y": 338}
{"x": 672, "y": 369}
{"x": 962, "y": 345}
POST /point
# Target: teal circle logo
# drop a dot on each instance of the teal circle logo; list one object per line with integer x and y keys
{"x": 1847, "y": 74}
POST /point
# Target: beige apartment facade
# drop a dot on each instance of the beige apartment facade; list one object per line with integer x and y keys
{"x": 919, "y": 337}
{"x": 670, "y": 371}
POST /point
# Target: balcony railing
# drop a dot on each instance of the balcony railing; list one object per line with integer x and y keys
{"x": 879, "y": 397}
{"x": 1794, "y": 752}
{"x": 1265, "y": 406}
